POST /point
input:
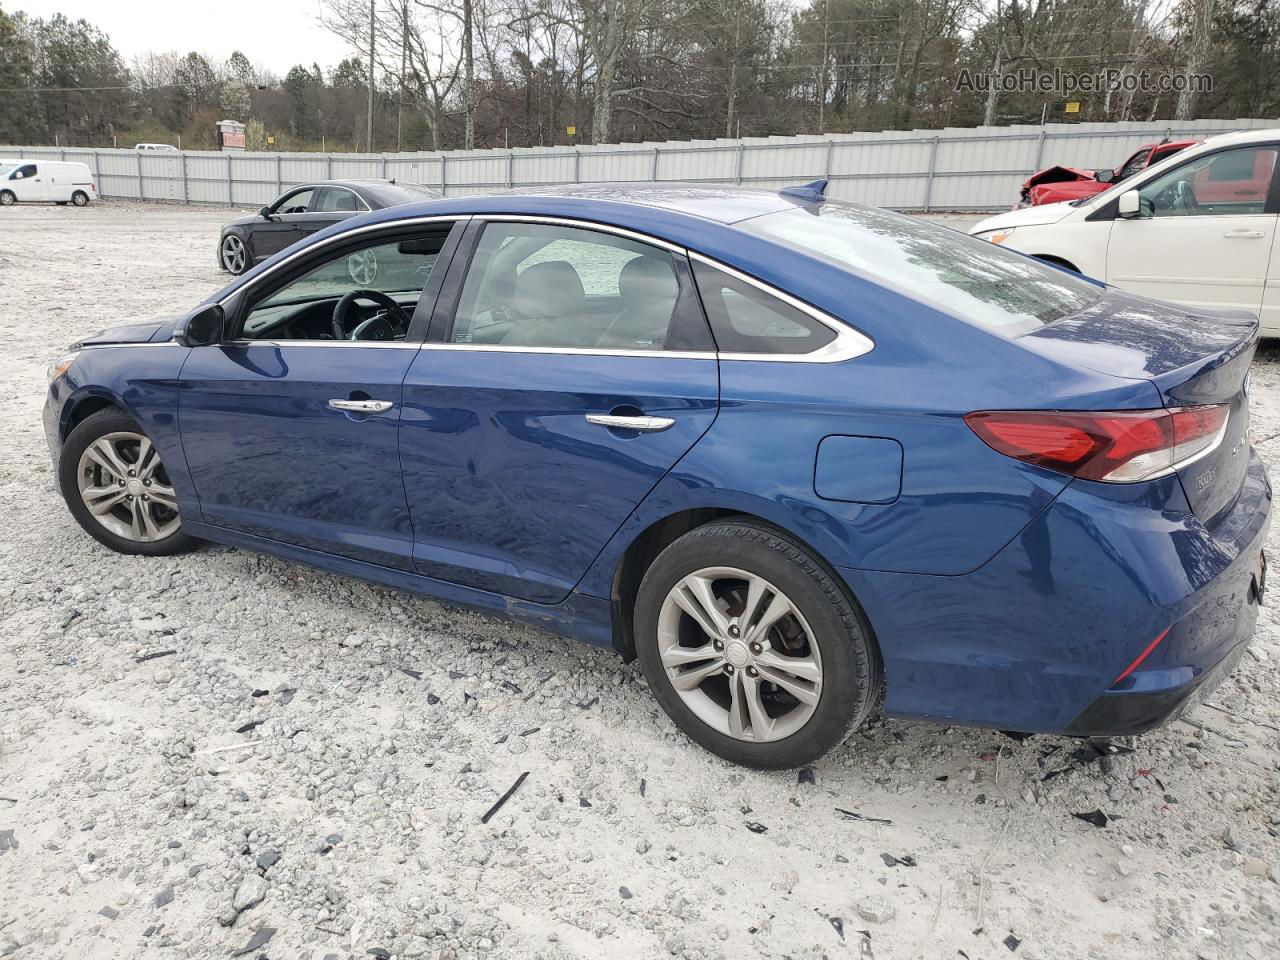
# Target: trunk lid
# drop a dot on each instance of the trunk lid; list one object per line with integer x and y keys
{"x": 1191, "y": 357}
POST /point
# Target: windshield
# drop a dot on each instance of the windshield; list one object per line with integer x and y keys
{"x": 7, "y": 168}
{"x": 1118, "y": 188}
{"x": 977, "y": 281}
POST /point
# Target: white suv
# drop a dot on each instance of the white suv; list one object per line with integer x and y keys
{"x": 1197, "y": 228}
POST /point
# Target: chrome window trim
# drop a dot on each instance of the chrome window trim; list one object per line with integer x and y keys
{"x": 380, "y": 344}
{"x": 145, "y": 343}
{"x": 847, "y": 345}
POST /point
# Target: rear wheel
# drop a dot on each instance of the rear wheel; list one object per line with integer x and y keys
{"x": 7, "y": 199}
{"x": 80, "y": 198}
{"x": 752, "y": 647}
{"x": 118, "y": 489}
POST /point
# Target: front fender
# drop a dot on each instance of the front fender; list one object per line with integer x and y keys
{"x": 143, "y": 381}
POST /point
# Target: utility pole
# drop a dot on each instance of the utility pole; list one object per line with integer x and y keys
{"x": 469, "y": 94}
{"x": 372, "y": 30}
{"x": 404, "y": 67}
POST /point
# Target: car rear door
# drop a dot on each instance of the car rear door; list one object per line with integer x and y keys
{"x": 568, "y": 368}
{"x": 1206, "y": 234}
{"x": 291, "y": 434}
{"x": 330, "y": 205}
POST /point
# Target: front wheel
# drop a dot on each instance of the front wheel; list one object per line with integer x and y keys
{"x": 233, "y": 255}
{"x": 7, "y": 198}
{"x": 80, "y": 198}
{"x": 752, "y": 647}
{"x": 118, "y": 489}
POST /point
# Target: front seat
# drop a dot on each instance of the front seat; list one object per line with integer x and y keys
{"x": 549, "y": 305}
{"x": 648, "y": 289}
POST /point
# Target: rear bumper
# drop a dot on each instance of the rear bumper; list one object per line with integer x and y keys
{"x": 1035, "y": 639}
{"x": 1118, "y": 714}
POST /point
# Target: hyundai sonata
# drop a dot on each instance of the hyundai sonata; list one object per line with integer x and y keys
{"x": 793, "y": 455}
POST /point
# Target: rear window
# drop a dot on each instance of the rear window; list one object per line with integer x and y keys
{"x": 971, "y": 279}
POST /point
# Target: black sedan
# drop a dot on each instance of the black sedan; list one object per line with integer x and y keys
{"x": 302, "y": 210}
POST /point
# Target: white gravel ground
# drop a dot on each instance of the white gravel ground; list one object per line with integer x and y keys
{"x": 141, "y": 808}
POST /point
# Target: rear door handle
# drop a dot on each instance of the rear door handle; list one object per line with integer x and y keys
{"x": 643, "y": 424}
{"x": 361, "y": 406}
{"x": 1244, "y": 234}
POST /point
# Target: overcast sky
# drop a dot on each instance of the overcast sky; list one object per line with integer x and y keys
{"x": 274, "y": 34}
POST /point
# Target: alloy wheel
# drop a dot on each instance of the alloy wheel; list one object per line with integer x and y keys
{"x": 234, "y": 254}
{"x": 363, "y": 267}
{"x": 739, "y": 654}
{"x": 7, "y": 199}
{"x": 79, "y": 199}
{"x": 126, "y": 489}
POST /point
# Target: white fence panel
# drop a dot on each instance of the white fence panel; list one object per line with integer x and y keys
{"x": 951, "y": 169}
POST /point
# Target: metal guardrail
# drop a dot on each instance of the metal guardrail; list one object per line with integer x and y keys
{"x": 952, "y": 169}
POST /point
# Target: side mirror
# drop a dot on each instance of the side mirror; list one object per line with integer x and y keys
{"x": 1105, "y": 176}
{"x": 201, "y": 328}
{"x": 1129, "y": 205}
{"x": 265, "y": 213}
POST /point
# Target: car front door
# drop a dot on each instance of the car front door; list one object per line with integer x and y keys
{"x": 564, "y": 375}
{"x": 1205, "y": 232}
{"x": 283, "y": 224}
{"x": 27, "y": 183}
{"x": 290, "y": 433}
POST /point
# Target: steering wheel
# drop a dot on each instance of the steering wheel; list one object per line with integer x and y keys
{"x": 389, "y": 324}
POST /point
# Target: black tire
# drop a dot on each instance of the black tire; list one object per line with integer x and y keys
{"x": 80, "y": 198}
{"x": 7, "y": 198}
{"x": 61, "y": 203}
{"x": 850, "y": 663}
{"x": 90, "y": 429}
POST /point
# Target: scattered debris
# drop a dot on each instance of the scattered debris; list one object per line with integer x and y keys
{"x": 164, "y": 897}
{"x": 7, "y": 841}
{"x": 250, "y": 725}
{"x": 876, "y": 910}
{"x": 806, "y": 775}
{"x": 838, "y": 924}
{"x": 624, "y": 893}
{"x": 504, "y": 798}
{"x": 154, "y": 656}
{"x": 1011, "y": 942}
{"x": 258, "y": 940}
{"x": 416, "y": 674}
{"x": 850, "y": 815}
{"x": 756, "y": 827}
{"x": 268, "y": 859}
{"x": 891, "y": 861}
{"x": 1096, "y": 817}
{"x": 109, "y": 912}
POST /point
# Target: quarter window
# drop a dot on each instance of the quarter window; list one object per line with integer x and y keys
{"x": 538, "y": 285}
{"x": 745, "y": 319}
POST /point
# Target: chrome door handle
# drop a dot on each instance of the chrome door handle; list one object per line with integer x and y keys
{"x": 1244, "y": 234}
{"x": 361, "y": 406}
{"x": 643, "y": 424}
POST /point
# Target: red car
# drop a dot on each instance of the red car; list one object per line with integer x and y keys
{"x": 1055, "y": 184}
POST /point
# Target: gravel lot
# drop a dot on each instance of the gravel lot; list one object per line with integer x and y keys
{"x": 311, "y": 761}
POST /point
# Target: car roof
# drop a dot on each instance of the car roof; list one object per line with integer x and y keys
{"x": 1266, "y": 135}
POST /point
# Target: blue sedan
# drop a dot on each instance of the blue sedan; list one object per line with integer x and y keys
{"x": 798, "y": 457}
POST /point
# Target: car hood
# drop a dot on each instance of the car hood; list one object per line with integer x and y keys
{"x": 1026, "y": 217}
{"x": 243, "y": 221}
{"x": 155, "y": 330}
{"x": 1058, "y": 174}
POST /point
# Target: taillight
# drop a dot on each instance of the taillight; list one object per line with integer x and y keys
{"x": 1120, "y": 446}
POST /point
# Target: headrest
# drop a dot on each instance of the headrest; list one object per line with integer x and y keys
{"x": 648, "y": 278}
{"x": 551, "y": 289}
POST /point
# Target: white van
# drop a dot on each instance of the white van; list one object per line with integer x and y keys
{"x": 156, "y": 148}
{"x": 46, "y": 181}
